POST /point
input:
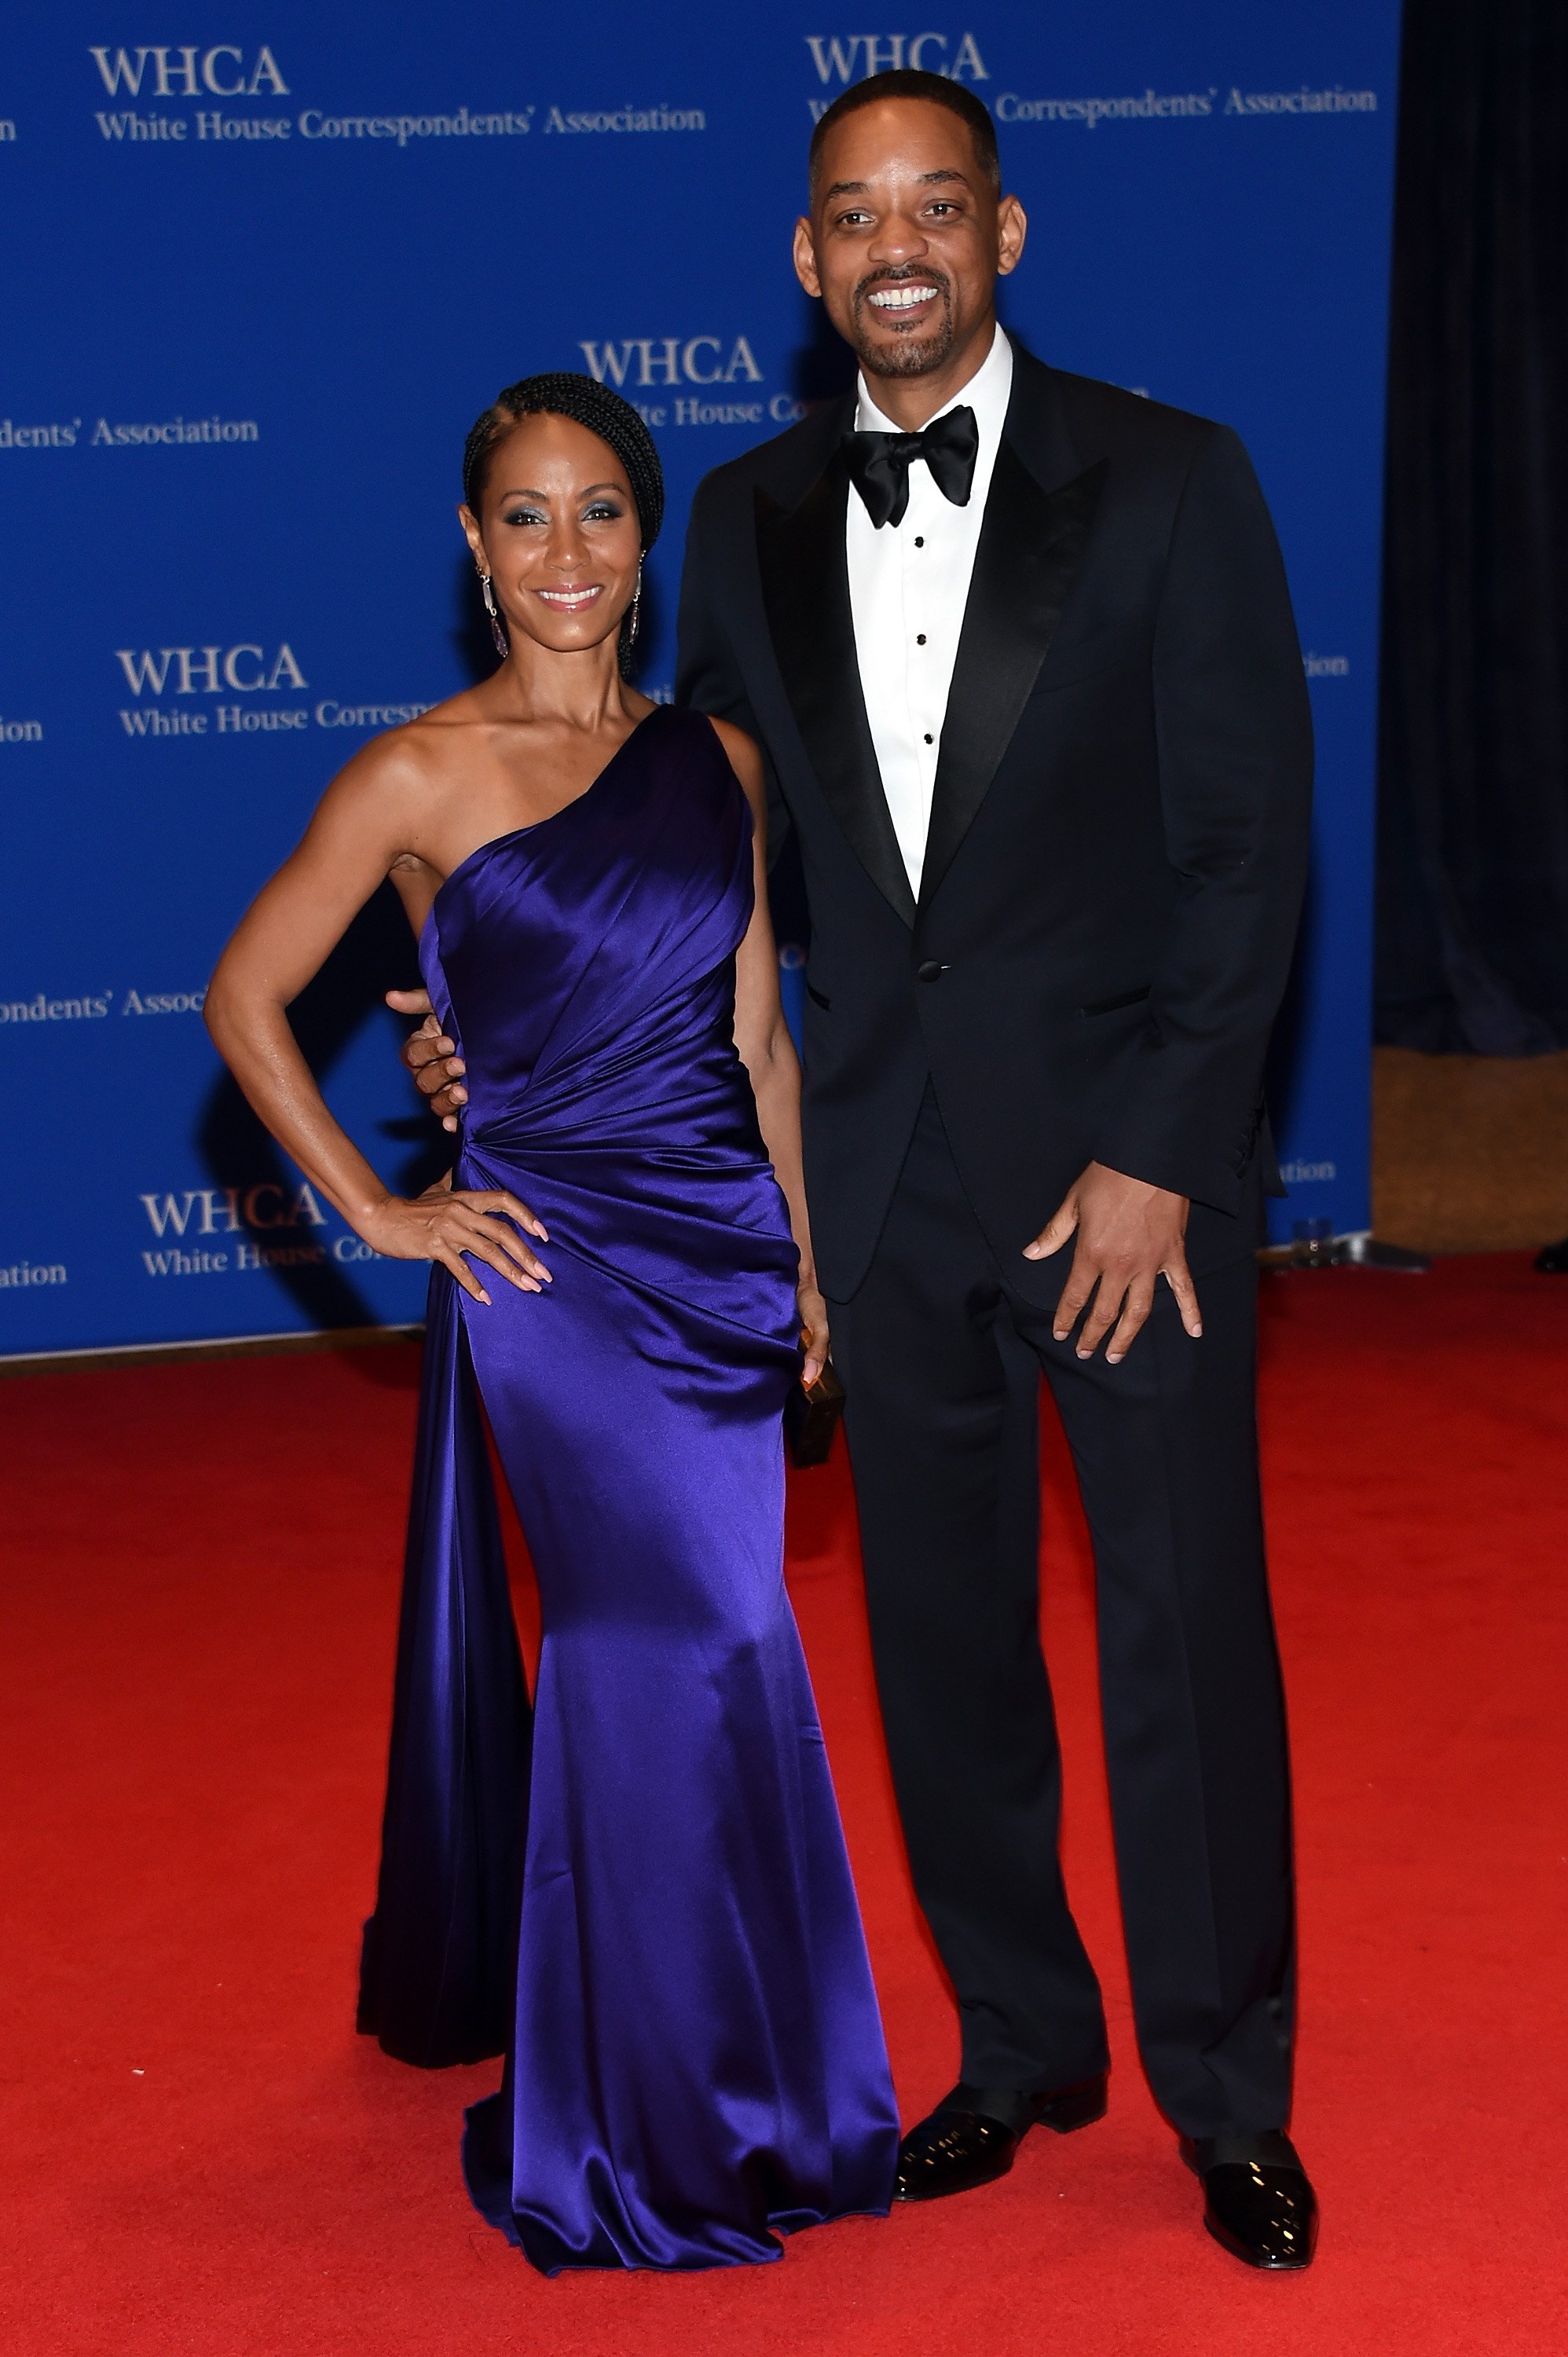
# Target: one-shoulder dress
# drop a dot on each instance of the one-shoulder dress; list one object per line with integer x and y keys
{"x": 644, "y": 1899}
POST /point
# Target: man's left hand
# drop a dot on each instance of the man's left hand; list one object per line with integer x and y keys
{"x": 431, "y": 1057}
{"x": 1129, "y": 1235}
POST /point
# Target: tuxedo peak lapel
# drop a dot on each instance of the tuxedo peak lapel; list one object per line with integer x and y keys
{"x": 1031, "y": 546}
{"x": 805, "y": 590}
{"x": 1037, "y": 423}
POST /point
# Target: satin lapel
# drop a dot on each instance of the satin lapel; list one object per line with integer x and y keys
{"x": 805, "y": 589}
{"x": 1031, "y": 544}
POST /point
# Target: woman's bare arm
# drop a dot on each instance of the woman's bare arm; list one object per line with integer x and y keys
{"x": 364, "y": 822}
{"x": 768, "y": 1051}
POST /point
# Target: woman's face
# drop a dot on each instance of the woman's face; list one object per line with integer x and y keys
{"x": 557, "y": 532}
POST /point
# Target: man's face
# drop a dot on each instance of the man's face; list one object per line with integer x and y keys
{"x": 906, "y": 237}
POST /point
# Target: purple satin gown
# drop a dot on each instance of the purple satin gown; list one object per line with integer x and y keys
{"x": 661, "y": 1933}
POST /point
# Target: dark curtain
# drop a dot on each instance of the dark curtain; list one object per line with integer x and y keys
{"x": 1472, "y": 819}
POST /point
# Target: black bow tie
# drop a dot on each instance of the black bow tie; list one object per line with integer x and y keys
{"x": 879, "y": 464}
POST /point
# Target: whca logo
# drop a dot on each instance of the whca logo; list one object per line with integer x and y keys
{"x": 207, "y": 670}
{"x": 672, "y": 360}
{"x": 843, "y": 58}
{"x": 222, "y": 71}
{"x": 246, "y": 669}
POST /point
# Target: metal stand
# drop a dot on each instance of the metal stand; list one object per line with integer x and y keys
{"x": 1366, "y": 1252}
{"x": 1360, "y": 1250}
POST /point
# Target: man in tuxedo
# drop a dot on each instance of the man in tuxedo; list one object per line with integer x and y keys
{"x": 1020, "y": 653}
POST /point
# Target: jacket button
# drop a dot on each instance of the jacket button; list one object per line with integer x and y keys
{"x": 928, "y": 969}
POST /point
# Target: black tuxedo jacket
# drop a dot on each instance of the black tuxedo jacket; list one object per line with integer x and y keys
{"x": 1118, "y": 839}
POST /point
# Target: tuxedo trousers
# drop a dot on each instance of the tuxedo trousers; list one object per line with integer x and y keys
{"x": 941, "y": 1353}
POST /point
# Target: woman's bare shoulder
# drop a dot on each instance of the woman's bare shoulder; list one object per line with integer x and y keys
{"x": 389, "y": 792}
{"x": 416, "y": 756}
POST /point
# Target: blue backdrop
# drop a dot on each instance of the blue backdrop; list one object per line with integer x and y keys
{"x": 263, "y": 265}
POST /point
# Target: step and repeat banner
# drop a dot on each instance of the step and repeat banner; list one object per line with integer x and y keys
{"x": 263, "y": 265}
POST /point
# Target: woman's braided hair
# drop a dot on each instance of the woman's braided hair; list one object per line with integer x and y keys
{"x": 560, "y": 393}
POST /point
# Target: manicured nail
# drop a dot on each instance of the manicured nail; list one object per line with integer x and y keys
{"x": 1114, "y": 1358}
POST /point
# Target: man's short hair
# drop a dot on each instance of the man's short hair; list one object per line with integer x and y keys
{"x": 904, "y": 82}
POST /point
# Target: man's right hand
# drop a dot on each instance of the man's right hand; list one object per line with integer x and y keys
{"x": 431, "y": 1057}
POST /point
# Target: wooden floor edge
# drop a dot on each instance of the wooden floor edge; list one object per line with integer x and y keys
{"x": 229, "y": 1346}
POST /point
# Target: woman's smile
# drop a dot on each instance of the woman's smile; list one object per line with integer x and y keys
{"x": 572, "y": 601}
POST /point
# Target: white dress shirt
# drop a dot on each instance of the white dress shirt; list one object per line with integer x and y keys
{"x": 909, "y": 585}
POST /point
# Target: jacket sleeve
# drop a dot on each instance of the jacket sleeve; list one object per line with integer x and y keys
{"x": 707, "y": 675}
{"x": 1234, "y": 735}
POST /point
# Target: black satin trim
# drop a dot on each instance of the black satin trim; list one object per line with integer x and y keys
{"x": 1031, "y": 546}
{"x": 805, "y": 590}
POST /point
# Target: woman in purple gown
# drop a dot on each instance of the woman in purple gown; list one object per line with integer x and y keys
{"x": 645, "y": 1899}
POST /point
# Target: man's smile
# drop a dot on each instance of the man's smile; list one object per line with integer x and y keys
{"x": 908, "y": 297}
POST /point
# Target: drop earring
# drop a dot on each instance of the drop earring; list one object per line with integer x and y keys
{"x": 503, "y": 647}
{"x": 636, "y": 604}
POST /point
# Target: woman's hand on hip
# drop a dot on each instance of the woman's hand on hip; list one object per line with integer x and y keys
{"x": 446, "y": 1222}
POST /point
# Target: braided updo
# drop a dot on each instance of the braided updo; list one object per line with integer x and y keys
{"x": 560, "y": 393}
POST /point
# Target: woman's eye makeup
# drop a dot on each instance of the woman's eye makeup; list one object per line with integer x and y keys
{"x": 598, "y": 512}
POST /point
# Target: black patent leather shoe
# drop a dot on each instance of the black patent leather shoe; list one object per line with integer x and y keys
{"x": 1258, "y": 2201}
{"x": 973, "y": 2137}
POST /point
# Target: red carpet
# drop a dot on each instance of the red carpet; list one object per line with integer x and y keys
{"x": 199, "y": 2156}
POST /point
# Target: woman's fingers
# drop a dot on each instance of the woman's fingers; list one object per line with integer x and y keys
{"x": 499, "y": 1199}
{"x": 489, "y": 1241}
{"x": 450, "y": 1258}
{"x": 488, "y": 1249}
{"x": 503, "y": 1201}
{"x": 474, "y": 1224}
{"x": 499, "y": 1204}
{"x": 519, "y": 1254}
{"x": 502, "y": 1214}
{"x": 496, "y": 1241}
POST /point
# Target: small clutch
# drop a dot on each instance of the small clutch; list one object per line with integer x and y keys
{"x": 812, "y": 1417}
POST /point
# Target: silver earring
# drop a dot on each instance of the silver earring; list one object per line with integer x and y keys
{"x": 636, "y": 603}
{"x": 503, "y": 646}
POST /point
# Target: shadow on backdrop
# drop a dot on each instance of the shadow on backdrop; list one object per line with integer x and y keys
{"x": 376, "y": 954}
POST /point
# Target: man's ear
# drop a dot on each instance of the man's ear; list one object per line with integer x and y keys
{"x": 1012, "y": 229}
{"x": 806, "y": 259}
